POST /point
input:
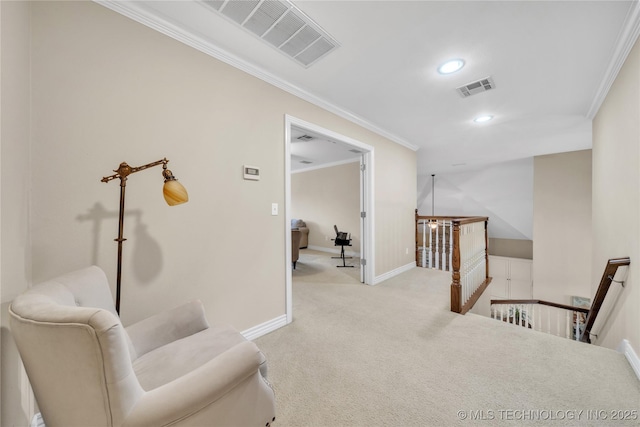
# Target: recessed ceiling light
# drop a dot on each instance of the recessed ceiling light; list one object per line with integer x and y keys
{"x": 451, "y": 66}
{"x": 482, "y": 119}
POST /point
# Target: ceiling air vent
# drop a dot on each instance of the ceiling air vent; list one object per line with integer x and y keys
{"x": 472, "y": 88}
{"x": 356, "y": 151}
{"x": 281, "y": 24}
{"x": 305, "y": 137}
{"x": 305, "y": 162}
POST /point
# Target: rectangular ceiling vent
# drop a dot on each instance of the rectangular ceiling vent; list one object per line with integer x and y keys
{"x": 280, "y": 24}
{"x": 305, "y": 137}
{"x": 305, "y": 162}
{"x": 479, "y": 86}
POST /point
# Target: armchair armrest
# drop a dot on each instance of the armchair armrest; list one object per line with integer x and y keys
{"x": 166, "y": 327}
{"x": 191, "y": 398}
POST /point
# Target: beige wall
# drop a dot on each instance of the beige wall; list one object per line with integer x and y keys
{"x": 616, "y": 199}
{"x": 105, "y": 89}
{"x": 15, "y": 264}
{"x": 562, "y": 226}
{"x": 513, "y": 248}
{"x": 328, "y": 196}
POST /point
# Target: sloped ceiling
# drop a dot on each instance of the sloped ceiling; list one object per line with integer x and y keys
{"x": 502, "y": 191}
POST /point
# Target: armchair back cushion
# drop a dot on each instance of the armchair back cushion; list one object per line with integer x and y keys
{"x": 77, "y": 358}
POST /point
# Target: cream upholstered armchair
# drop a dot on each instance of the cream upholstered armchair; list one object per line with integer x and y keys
{"x": 86, "y": 369}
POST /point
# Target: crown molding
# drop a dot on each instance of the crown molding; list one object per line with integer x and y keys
{"x": 625, "y": 42}
{"x": 132, "y": 11}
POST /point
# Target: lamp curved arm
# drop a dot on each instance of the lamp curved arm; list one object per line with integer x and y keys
{"x": 125, "y": 170}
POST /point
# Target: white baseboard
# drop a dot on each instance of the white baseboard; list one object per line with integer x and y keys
{"x": 334, "y": 251}
{"x": 37, "y": 421}
{"x": 625, "y": 348}
{"x": 264, "y": 328}
{"x": 395, "y": 272}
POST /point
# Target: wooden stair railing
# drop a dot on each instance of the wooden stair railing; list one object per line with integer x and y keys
{"x": 540, "y": 315}
{"x": 590, "y": 314}
{"x": 459, "y": 245}
{"x": 605, "y": 283}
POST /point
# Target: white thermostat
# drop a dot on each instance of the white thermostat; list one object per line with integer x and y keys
{"x": 251, "y": 172}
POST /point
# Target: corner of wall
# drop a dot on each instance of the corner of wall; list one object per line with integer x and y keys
{"x": 632, "y": 357}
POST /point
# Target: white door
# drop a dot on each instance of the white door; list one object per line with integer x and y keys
{"x": 499, "y": 270}
{"x": 520, "y": 278}
{"x": 363, "y": 217}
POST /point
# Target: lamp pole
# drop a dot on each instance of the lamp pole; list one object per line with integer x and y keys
{"x": 177, "y": 195}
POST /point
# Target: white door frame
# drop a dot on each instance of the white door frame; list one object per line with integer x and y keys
{"x": 367, "y": 246}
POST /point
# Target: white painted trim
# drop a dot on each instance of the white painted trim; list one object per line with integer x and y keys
{"x": 626, "y": 39}
{"x": 327, "y": 165}
{"x": 333, "y": 250}
{"x": 37, "y": 421}
{"x": 288, "y": 280}
{"x": 395, "y": 272}
{"x": 626, "y": 349}
{"x": 368, "y": 153}
{"x": 264, "y": 328}
{"x": 137, "y": 13}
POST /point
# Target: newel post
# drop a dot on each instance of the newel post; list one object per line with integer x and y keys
{"x": 416, "y": 236}
{"x": 486, "y": 247}
{"x": 456, "y": 287}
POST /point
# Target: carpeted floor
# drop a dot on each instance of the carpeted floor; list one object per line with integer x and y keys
{"x": 394, "y": 355}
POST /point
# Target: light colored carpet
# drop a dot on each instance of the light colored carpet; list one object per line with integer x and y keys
{"x": 394, "y": 355}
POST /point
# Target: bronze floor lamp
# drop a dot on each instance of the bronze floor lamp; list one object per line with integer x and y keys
{"x": 174, "y": 194}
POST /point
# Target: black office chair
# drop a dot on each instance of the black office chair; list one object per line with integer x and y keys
{"x": 342, "y": 239}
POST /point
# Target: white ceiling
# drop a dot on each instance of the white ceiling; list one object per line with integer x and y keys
{"x": 310, "y": 150}
{"x": 552, "y": 63}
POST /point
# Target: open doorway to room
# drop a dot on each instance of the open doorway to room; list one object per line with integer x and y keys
{"x": 311, "y": 149}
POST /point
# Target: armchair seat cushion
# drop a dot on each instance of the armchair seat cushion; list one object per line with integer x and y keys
{"x": 169, "y": 362}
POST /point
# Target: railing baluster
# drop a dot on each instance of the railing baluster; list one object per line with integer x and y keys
{"x": 423, "y": 258}
{"x": 531, "y": 315}
{"x": 450, "y": 246}
{"x": 548, "y": 320}
{"x": 532, "y": 320}
{"x": 437, "y": 264}
{"x": 432, "y": 255}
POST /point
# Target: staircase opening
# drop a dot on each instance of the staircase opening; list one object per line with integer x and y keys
{"x": 562, "y": 320}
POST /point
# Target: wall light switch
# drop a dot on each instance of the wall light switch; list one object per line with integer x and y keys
{"x": 274, "y": 209}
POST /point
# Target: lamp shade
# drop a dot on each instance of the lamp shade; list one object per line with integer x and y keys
{"x": 174, "y": 193}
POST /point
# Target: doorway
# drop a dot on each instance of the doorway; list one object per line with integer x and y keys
{"x": 366, "y": 190}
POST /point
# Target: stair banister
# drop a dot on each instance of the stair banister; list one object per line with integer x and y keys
{"x": 466, "y": 251}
